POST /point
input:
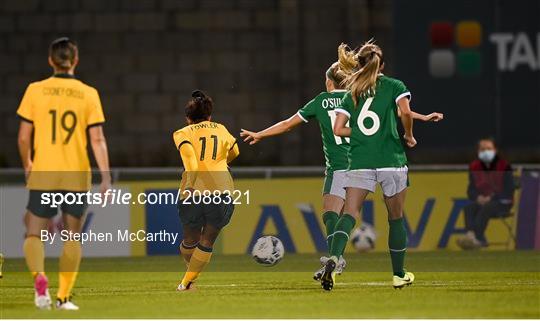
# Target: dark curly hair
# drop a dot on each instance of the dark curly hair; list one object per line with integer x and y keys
{"x": 199, "y": 107}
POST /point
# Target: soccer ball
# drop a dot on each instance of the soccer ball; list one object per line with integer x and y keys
{"x": 363, "y": 238}
{"x": 268, "y": 250}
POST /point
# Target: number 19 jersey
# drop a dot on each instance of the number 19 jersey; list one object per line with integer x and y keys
{"x": 322, "y": 108}
{"x": 375, "y": 141}
{"x": 61, "y": 109}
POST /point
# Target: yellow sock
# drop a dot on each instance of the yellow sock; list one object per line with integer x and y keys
{"x": 187, "y": 251}
{"x": 34, "y": 253}
{"x": 69, "y": 267}
{"x": 200, "y": 257}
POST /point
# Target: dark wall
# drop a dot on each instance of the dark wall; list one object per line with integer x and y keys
{"x": 492, "y": 84}
{"x": 260, "y": 61}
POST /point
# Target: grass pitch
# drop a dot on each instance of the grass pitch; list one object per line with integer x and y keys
{"x": 448, "y": 285}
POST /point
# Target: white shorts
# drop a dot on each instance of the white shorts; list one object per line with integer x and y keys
{"x": 392, "y": 179}
{"x": 334, "y": 184}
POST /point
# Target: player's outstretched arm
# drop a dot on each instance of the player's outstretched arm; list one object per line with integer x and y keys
{"x": 433, "y": 117}
{"x": 276, "y": 129}
{"x": 407, "y": 121}
{"x": 99, "y": 147}
{"x": 24, "y": 142}
{"x": 340, "y": 127}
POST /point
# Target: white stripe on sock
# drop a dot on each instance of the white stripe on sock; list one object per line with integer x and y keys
{"x": 392, "y": 250}
{"x": 342, "y": 233}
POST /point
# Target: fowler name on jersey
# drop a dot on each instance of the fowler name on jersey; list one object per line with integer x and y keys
{"x": 212, "y": 143}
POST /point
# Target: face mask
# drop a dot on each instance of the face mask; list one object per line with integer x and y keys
{"x": 486, "y": 156}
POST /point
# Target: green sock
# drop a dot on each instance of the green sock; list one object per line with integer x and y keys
{"x": 341, "y": 234}
{"x": 330, "y": 219}
{"x": 397, "y": 243}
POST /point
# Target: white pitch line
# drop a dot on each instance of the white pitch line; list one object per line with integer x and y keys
{"x": 376, "y": 284}
{"x": 220, "y": 285}
{"x": 364, "y": 283}
{"x": 263, "y": 285}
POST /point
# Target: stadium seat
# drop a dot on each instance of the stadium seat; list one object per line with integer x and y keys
{"x": 508, "y": 219}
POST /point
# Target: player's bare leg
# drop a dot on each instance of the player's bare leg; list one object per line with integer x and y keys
{"x": 70, "y": 260}
{"x": 192, "y": 238}
{"x": 34, "y": 254}
{"x": 200, "y": 257}
{"x": 354, "y": 199}
{"x": 332, "y": 205}
{"x": 397, "y": 240}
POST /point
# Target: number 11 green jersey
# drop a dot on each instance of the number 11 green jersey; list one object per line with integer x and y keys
{"x": 375, "y": 141}
{"x": 322, "y": 108}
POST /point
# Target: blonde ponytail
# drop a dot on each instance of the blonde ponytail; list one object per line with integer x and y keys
{"x": 346, "y": 65}
{"x": 347, "y": 59}
{"x": 363, "y": 68}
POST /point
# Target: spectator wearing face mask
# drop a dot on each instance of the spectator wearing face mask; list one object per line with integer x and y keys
{"x": 490, "y": 190}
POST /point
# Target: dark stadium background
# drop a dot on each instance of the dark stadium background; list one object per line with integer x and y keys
{"x": 260, "y": 61}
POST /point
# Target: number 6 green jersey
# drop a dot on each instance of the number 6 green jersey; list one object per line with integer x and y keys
{"x": 322, "y": 108}
{"x": 375, "y": 141}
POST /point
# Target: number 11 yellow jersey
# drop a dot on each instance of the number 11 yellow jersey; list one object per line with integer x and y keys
{"x": 212, "y": 144}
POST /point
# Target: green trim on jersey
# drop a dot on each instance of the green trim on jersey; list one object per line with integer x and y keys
{"x": 328, "y": 180}
{"x": 322, "y": 109}
{"x": 375, "y": 141}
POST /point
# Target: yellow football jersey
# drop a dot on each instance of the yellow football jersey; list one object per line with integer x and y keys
{"x": 61, "y": 109}
{"x": 212, "y": 143}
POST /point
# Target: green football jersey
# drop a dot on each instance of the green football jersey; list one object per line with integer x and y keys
{"x": 322, "y": 108}
{"x": 375, "y": 141}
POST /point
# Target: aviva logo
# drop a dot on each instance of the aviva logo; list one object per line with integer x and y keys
{"x": 455, "y": 49}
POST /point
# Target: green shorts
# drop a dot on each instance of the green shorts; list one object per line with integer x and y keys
{"x": 38, "y": 205}
{"x": 195, "y": 214}
{"x": 334, "y": 183}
